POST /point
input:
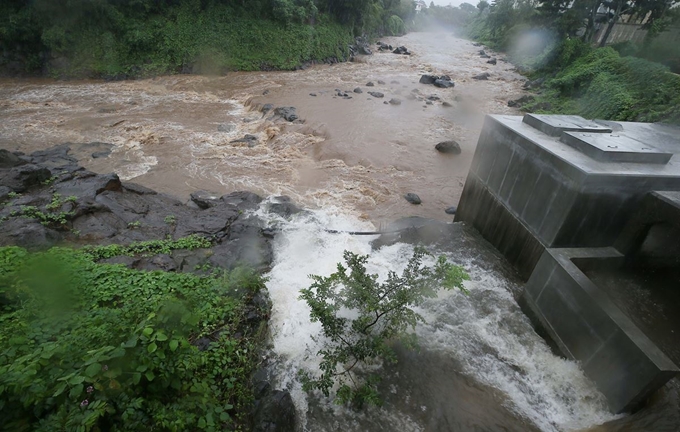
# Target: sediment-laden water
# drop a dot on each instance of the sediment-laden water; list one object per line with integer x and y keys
{"x": 481, "y": 366}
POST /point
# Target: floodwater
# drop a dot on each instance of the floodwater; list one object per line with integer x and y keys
{"x": 481, "y": 366}
{"x": 359, "y": 154}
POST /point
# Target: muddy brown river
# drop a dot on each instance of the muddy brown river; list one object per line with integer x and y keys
{"x": 349, "y": 160}
{"x": 359, "y": 154}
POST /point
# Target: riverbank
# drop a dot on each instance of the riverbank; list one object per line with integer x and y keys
{"x": 119, "y": 305}
{"x": 141, "y": 41}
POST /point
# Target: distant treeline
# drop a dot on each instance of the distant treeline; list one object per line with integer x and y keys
{"x": 130, "y": 38}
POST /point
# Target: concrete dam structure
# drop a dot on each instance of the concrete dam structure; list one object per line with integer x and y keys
{"x": 589, "y": 214}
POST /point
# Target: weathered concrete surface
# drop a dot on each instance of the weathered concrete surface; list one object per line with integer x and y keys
{"x": 528, "y": 190}
{"x": 587, "y": 326}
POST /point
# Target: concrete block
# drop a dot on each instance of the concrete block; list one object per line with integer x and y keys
{"x": 588, "y": 327}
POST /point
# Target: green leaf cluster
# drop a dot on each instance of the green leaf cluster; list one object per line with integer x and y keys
{"x": 89, "y": 347}
{"x": 360, "y": 316}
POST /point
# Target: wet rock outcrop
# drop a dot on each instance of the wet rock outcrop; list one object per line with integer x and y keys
{"x": 48, "y": 199}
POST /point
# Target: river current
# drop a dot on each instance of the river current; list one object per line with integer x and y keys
{"x": 481, "y": 366}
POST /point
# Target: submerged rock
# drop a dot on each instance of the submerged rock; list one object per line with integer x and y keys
{"x": 412, "y": 198}
{"x": 226, "y": 127}
{"x": 376, "y": 94}
{"x": 395, "y": 101}
{"x": 483, "y": 76}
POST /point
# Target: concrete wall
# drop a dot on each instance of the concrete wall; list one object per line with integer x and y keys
{"x": 528, "y": 190}
{"x": 586, "y": 325}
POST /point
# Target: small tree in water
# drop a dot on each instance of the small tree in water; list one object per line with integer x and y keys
{"x": 360, "y": 316}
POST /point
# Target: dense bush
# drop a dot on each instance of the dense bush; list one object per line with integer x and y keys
{"x": 599, "y": 83}
{"x": 88, "y": 347}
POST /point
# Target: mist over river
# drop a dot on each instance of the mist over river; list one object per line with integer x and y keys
{"x": 481, "y": 366}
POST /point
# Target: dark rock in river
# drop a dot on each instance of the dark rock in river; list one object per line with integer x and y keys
{"x": 275, "y": 412}
{"x": 9, "y": 159}
{"x": 492, "y": 61}
{"x": 484, "y": 76}
{"x": 283, "y": 206}
{"x": 381, "y": 82}
{"x": 266, "y": 108}
{"x": 370, "y": 84}
{"x": 287, "y": 113}
{"x": 251, "y": 140}
{"x": 19, "y": 178}
{"x": 448, "y": 147}
{"x": 412, "y": 198}
{"x": 376, "y": 94}
{"x": 428, "y": 79}
{"x": 451, "y": 210}
{"x": 443, "y": 83}
{"x": 482, "y": 52}
{"x": 101, "y": 154}
{"x": 242, "y": 200}
{"x": 401, "y": 50}
{"x": 358, "y": 90}
{"x": 446, "y": 104}
{"x": 204, "y": 199}
{"x": 105, "y": 210}
{"x": 395, "y": 101}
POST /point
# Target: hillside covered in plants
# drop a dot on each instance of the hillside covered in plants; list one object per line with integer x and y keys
{"x": 136, "y": 38}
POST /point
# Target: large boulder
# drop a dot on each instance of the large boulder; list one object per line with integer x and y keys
{"x": 22, "y": 177}
{"x": 9, "y": 159}
{"x": 448, "y": 147}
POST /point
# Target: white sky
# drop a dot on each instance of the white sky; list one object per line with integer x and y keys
{"x": 451, "y": 2}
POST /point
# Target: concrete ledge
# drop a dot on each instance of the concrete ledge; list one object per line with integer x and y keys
{"x": 587, "y": 326}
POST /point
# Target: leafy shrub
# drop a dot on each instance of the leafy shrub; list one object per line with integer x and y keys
{"x": 361, "y": 316}
{"x": 88, "y": 347}
{"x": 395, "y": 26}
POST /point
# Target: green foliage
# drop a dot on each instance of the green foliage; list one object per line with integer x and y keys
{"x": 395, "y": 26}
{"x": 89, "y": 347}
{"x": 146, "y": 248}
{"x": 381, "y": 311}
{"x": 136, "y": 38}
{"x": 599, "y": 83}
{"x": 51, "y": 215}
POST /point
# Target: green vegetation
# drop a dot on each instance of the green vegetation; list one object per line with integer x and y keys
{"x": 90, "y": 347}
{"x": 51, "y": 215}
{"x": 146, "y": 248}
{"x": 553, "y": 40}
{"x": 600, "y": 83}
{"x": 137, "y": 38}
{"x": 382, "y": 314}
